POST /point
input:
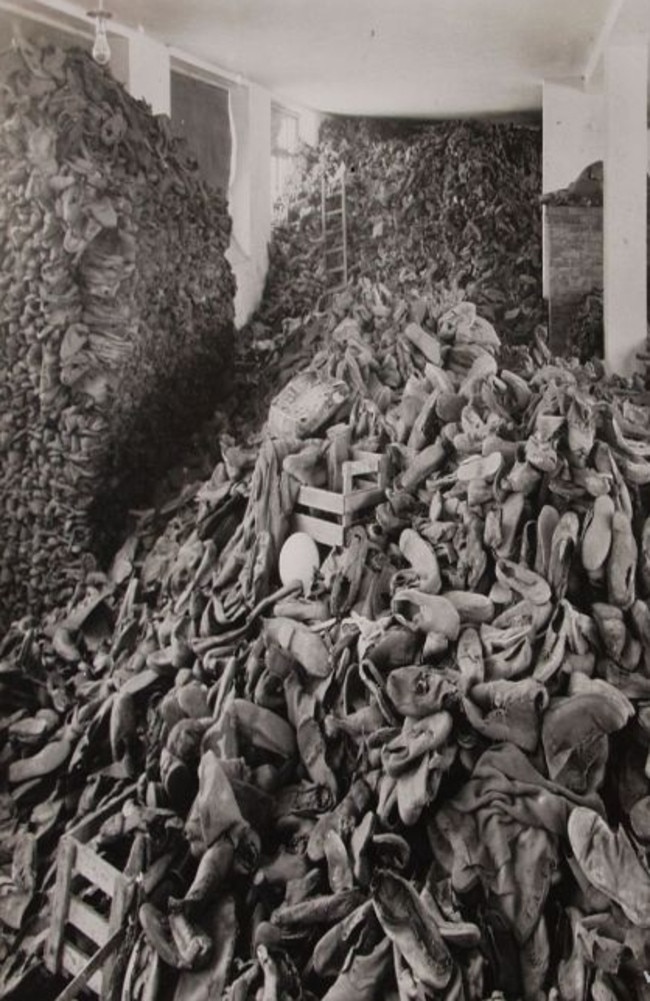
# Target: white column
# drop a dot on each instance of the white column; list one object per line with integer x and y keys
{"x": 573, "y": 137}
{"x": 149, "y": 72}
{"x": 625, "y": 227}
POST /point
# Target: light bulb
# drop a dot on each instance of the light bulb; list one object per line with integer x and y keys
{"x": 101, "y": 48}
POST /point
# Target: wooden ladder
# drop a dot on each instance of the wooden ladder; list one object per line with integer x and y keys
{"x": 335, "y": 231}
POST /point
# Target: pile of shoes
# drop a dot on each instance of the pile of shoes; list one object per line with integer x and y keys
{"x": 422, "y": 769}
{"x": 454, "y": 204}
{"x": 105, "y": 332}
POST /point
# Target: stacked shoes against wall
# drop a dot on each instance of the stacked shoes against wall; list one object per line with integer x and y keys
{"x": 107, "y": 334}
{"x": 422, "y": 771}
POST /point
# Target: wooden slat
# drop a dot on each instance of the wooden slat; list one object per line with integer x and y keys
{"x": 321, "y": 531}
{"x": 122, "y": 900}
{"x": 65, "y": 861}
{"x": 88, "y": 976}
{"x": 75, "y": 963}
{"x": 97, "y": 870}
{"x": 324, "y": 500}
{"x": 88, "y": 921}
{"x": 373, "y": 458}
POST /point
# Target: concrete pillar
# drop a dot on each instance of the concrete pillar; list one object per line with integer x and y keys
{"x": 143, "y": 66}
{"x": 625, "y": 227}
{"x": 573, "y": 137}
{"x": 150, "y": 73}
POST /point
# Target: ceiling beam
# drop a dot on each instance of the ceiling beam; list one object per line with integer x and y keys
{"x": 595, "y": 53}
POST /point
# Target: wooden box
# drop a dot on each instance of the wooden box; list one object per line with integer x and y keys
{"x": 84, "y": 938}
{"x": 326, "y": 515}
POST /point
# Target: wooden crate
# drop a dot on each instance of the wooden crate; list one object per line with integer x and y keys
{"x": 80, "y": 868}
{"x": 365, "y": 478}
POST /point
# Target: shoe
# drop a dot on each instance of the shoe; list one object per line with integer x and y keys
{"x": 496, "y": 638}
{"x": 155, "y": 926}
{"x": 483, "y": 366}
{"x": 425, "y": 425}
{"x": 479, "y": 492}
{"x": 640, "y": 615}
{"x": 575, "y": 731}
{"x": 449, "y": 407}
{"x": 580, "y": 663}
{"x": 553, "y": 649}
{"x": 339, "y": 865}
{"x": 597, "y": 536}
{"x": 523, "y": 581}
{"x": 469, "y": 658}
{"x": 414, "y": 397}
{"x": 512, "y": 511}
{"x": 263, "y": 728}
{"x": 508, "y": 710}
{"x": 456, "y": 320}
{"x": 541, "y": 453}
{"x": 622, "y": 562}
{"x": 427, "y": 344}
{"x": 480, "y": 332}
{"x": 309, "y": 465}
{"x": 338, "y": 451}
{"x": 331, "y": 949}
{"x": 522, "y": 479}
{"x": 518, "y": 388}
{"x": 611, "y": 627}
{"x": 396, "y": 648}
{"x": 305, "y": 646}
{"x": 419, "y": 691}
{"x": 409, "y": 925}
{"x": 510, "y": 662}
{"x": 644, "y": 558}
{"x": 323, "y": 909}
{"x": 347, "y": 582}
{"x": 525, "y": 615}
{"x": 193, "y": 944}
{"x": 435, "y": 646}
{"x": 415, "y": 790}
{"x": 426, "y": 462}
{"x": 631, "y": 656}
{"x": 429, "y": 612}
{"x": 479, "y": 467}
{"x": 474, "y": 556}
{"x": 581, "y": 421}
{"x": 178, "y": 781}
{"x": 563, "y": 546}
{"x": 640, "y": 820}
{"x": 610, "y": 863}
{"x": 534, "y": 960}
{"x": 472, "y": 608}
{"x": 546, "y": 525}
{"x": 417, "y": 737}
{"x": 420, "y": 555}
{"x": 630, "y": 683}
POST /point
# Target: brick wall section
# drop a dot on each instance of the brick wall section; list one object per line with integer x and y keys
{"x": 575, "y": 262}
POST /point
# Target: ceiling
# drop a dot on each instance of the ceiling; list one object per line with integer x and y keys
{"x": 422, "y": 58}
